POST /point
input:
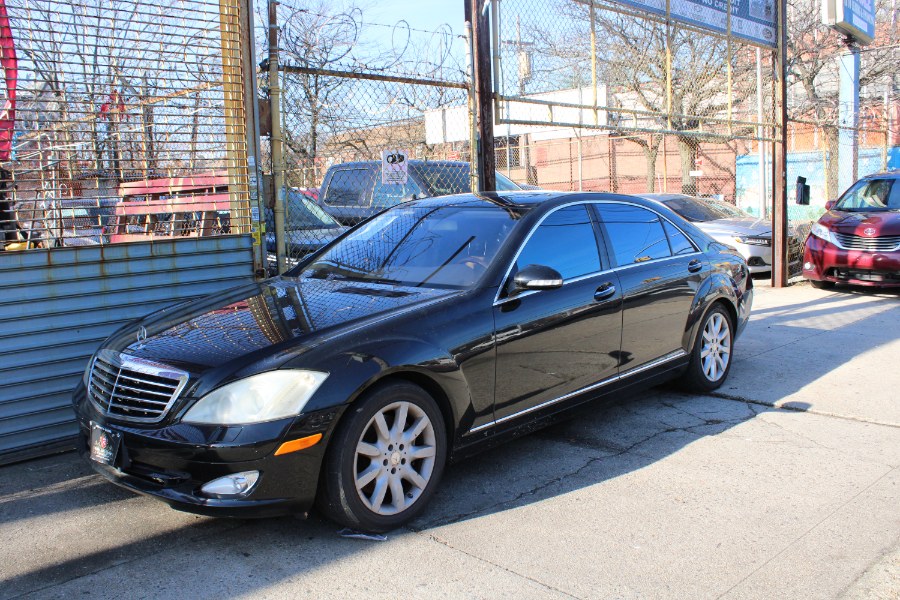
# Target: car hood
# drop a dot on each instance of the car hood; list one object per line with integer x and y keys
{"x": 862, "y": 223}
{"x": 739, "y": 226}
{"x": 250, "y": 323}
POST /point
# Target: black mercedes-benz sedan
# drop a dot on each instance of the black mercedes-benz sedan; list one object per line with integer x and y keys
{"x": 420, "y": 336}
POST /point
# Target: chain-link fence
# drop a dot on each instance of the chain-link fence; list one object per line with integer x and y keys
{"x": 356, "y": 95}
{"x": 831, "y": 144}
{"x": 122, "y": 122}
{"x": 601, "y": 96}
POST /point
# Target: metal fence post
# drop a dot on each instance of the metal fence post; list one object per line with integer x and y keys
{"x": 779, "y": 158}
{"x": 251, "y": 111}
{"x": 484, "y": 105}
{"x": 276, "y": 138}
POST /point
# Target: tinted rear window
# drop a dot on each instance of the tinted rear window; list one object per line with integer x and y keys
{"x": 350, "y": 187}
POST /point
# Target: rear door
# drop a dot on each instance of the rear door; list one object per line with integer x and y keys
{"x": 659, "y": 270}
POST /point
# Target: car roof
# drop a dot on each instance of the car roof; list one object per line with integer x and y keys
{"x": 892, "y": 174}
{"x": 528, "y": 199}
{"x": 414, "y": 161}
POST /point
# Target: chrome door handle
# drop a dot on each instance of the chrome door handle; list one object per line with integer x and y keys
{"x": 607, "y": 290}
{"x": 694, "y": 266}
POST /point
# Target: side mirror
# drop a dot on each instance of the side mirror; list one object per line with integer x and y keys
{"x": 830, "y": 204}
{"x": 537, "y": 277}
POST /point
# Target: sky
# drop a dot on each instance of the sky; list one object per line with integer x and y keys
{"x": 427, "y": 15}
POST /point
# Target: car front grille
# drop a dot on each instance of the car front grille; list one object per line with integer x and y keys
{"x": 133, "y": 389}
{"x": 885, "y": 243}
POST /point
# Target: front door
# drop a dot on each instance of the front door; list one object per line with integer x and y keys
{"x": 551, "y": 343}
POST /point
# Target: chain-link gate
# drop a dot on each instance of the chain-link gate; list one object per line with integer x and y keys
{"x": 601, "y": 96}
{"x": 372, "y": 114}
{"x": 826, "y": 151}
{"x": 124, "y": 183}
{"x": 124, "y": 123}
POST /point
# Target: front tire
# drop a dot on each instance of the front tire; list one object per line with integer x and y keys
{"x": 712, "y": 353}
{"x": 385, "y": 460}
{"x": 821, "y": 285}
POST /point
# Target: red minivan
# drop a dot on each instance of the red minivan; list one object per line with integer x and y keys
{"x": 857, "y": 240}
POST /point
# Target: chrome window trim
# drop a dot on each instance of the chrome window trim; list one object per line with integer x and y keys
{"x": 633, "y": 371}
{"x": 498, "y": 300}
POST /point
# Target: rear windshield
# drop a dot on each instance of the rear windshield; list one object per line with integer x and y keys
{"x": 442, "y": 179}
{"x": 699, "y": 210}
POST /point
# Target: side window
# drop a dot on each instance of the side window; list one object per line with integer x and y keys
{"x": 349, "y": 187}
{"x": 566, "y": 242}
{"x": 386, "y": 195}
{"x": 635, "y": 233}
{"x": 677, "y": 240}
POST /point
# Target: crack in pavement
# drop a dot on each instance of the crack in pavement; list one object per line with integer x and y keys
{"x": 805, "y": 533}
{"x": 801, "y": 409}
{"x": 433, "y": 537}
{"x": 544, "y": 485}
{"x": 162, "y": 548}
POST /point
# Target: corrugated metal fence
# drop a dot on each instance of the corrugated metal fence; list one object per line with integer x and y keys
{"x": 125, "y": 184}
{"x": 56, "y": 306}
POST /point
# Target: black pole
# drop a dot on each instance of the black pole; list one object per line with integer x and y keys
{"x": 484, "y": 102}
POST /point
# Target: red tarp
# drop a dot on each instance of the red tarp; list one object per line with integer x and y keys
{"x": 11, "y": 72}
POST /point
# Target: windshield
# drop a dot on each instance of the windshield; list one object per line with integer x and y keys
{"x": 418, "y": 246}
{"x": 699, "y": 210}
{"x": 442, "y": 179}
{"x": 871, "y": 195}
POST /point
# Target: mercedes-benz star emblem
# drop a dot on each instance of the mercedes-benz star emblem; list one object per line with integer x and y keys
{"x": 141, "y": 334}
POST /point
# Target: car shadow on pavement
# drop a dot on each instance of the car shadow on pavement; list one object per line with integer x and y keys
{"x": 597, "y": 444}
{"x": 74, "y": 531}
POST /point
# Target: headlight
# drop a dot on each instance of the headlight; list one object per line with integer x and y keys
{"x": 264, "y": 397}
{"x": 822, "y": 232}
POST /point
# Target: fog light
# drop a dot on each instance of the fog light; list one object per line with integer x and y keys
{"x": 231, "y": 486}
{"x": 808, "y": 266}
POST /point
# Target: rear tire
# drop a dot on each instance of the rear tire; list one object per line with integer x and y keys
{"x": 385, "y": 460}
{"x": 711, "y": 356}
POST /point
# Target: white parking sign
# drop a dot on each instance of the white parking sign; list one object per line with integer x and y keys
{"x": 394, "y": 166}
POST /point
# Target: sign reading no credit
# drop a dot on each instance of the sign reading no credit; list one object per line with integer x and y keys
{"x": 394, "y": 166}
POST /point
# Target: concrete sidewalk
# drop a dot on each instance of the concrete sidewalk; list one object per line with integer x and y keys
{"x": 784, "y": 485}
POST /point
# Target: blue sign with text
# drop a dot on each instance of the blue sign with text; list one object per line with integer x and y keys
{"x": 751, "y": 20}
{"x": 857, "y": 18}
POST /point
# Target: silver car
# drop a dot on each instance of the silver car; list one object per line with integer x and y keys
{"x": 726, "y": 223}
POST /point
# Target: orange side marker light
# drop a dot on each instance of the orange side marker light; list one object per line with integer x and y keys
{"x": 300, "y": 444}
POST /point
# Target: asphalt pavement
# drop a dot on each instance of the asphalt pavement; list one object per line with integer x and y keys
{"x": 783, "y": 484}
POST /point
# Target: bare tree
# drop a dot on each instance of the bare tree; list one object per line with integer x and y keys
{"x": 633, "y": 61}
{"x": 813, "y": 54}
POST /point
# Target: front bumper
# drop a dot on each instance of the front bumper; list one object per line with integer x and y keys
{"x": 823, "y": 261}
{"x": 172, "y": 462}
{"x": 759, "y": 258}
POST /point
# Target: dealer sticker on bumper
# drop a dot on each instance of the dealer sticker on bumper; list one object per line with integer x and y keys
{"x": 104, "y": 444}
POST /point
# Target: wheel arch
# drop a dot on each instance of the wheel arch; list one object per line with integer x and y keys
{"x": 416, "y": 377}
{"x": 717, "y": 289}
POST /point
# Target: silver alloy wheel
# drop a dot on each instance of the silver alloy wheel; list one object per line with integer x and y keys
{"x": 716, "y": 349}
{"x": 395, "y": 458}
